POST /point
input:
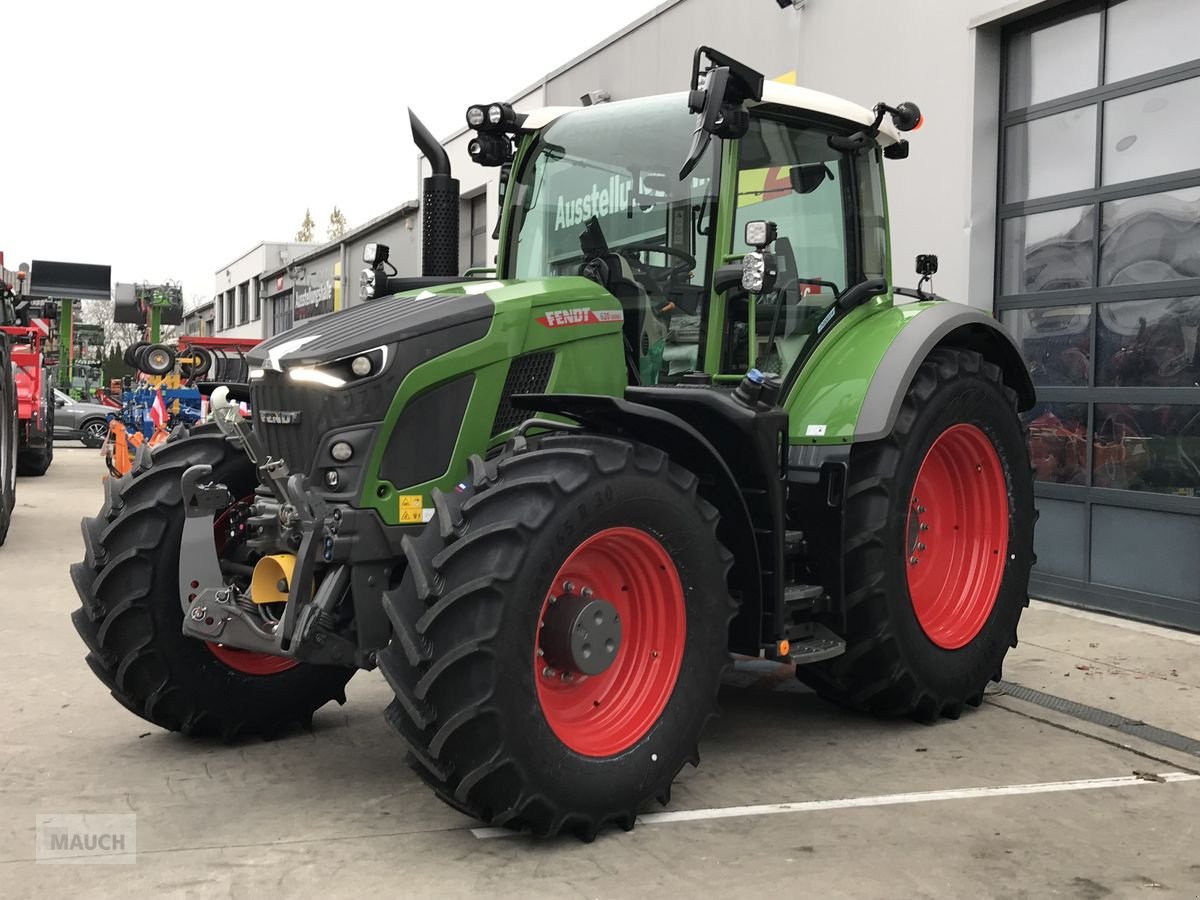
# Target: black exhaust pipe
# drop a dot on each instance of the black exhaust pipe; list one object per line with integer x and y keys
{"x": 439, "y": 207}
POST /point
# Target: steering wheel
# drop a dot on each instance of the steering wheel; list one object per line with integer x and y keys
{"x": 685, "y": 265}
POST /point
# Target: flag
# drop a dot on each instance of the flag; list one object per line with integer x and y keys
{"x": 158, "y": 412}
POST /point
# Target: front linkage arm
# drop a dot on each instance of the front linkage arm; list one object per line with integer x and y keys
{"x": 214, "y": 610}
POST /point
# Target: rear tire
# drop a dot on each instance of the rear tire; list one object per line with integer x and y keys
{"x": 131, "y": 619}
{"x": 36, "y": 462}
{"x": 472, "y": 693}
{"x": 915, "y": 647}
{"x": 8, "y": 443}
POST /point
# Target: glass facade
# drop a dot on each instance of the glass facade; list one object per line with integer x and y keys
{"x": 1098, "y": 279}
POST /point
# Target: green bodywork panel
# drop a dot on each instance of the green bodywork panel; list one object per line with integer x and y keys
{"x": 589, "y": 359}
{"x": 824, "y": 402}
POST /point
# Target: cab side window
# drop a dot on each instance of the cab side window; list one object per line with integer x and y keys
{"x": 788, "y": 174}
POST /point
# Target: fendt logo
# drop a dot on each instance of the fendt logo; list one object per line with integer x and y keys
{"x": 279, "y": 416}
{"x": 580, "y": 315}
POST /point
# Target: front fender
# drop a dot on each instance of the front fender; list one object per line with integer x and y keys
{"x": 852, "y": 388}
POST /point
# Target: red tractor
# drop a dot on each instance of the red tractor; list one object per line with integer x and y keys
{"x": 33, "y": 384}
{"x": 8, "y": 415}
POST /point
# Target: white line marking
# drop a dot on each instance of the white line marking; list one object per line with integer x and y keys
{"x": 770, "y": 809}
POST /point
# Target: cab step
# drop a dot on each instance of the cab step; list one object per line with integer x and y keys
{"x": 820, "y": 644}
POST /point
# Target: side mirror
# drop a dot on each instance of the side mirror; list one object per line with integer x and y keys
{"x": 719, "y": 103}
{"x": 59, "y": 404}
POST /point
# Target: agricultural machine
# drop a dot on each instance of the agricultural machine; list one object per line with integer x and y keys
{"x": 685, "y": 419}
{"x": 33, "y": 380}
{"x": 171, "y": 394}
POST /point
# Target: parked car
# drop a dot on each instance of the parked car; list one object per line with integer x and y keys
{"x": 76, "y": 420}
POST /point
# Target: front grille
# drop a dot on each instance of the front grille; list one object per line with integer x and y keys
{"x": 528, "y": 374}
{"x": 295, "y": 443}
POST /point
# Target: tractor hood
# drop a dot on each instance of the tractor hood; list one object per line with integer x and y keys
{"x": 404, "y": 318}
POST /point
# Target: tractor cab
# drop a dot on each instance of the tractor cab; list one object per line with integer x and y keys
{"x": 598, "y": 192}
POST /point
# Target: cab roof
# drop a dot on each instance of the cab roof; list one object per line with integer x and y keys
{"x": 774, "y": 93}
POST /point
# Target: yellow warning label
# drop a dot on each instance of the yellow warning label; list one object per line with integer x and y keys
{"x": 412, "y": 507}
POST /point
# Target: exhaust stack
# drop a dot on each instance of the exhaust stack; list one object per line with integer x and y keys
{"x": 439, "y": 207}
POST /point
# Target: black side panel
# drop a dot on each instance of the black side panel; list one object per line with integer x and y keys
{"x": 323, "y": 410}
{"x": 421, "y": 443}
{"x": 696, "y": 453}
{"x": 527, "y": 374}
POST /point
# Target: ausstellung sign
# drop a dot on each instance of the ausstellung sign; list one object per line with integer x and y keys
{"x": 314, "y": 301}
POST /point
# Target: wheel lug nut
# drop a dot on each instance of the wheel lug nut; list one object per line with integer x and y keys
{"x": 920, "y": 509}
{"x": 913, "y": 560}
{"x": 924, "y": 526}
{"x": 547, "y": 672}
{"x": 920, "y": 546}
{"x": 541, "y": 652}
{"x": 586, "y": 593}
{"x": 566, "y": 676}
{"x": 568, "y": 587}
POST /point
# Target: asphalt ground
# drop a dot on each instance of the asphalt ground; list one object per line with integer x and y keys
{"x": 792, "y": 797}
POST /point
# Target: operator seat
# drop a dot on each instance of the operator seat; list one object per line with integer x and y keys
{"x": 613, "y": 272}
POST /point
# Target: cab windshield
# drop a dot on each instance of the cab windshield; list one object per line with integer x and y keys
{"x": 600, "y": 195}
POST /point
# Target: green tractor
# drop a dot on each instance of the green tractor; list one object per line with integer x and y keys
{"x": 684, "y": 420}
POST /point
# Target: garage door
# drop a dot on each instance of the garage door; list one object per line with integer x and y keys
{"x": 1098, "y": 277}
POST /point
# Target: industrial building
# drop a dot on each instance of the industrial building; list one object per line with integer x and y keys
{"x": 1057, "y": 178}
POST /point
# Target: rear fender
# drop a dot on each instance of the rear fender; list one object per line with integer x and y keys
{"x": 689, "y": 448}
{"x": 943, "y": 324}
{"x": 852, "y": 388}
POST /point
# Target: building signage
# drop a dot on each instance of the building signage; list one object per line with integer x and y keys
{"x": 314, "y": 301}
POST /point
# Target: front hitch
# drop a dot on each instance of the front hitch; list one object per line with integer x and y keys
{"x": 216, "y": 611}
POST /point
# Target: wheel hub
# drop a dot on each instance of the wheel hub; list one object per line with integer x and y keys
{"x": 580, "y": 633}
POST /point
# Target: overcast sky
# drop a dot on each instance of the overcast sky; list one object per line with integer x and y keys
{"x": 166, "y": 139}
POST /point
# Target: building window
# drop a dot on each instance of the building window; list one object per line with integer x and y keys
{"x": 1098, "y": 279}
{"x": 243, "y": 303}
{"x": 255, "y": 300}
{"x": 282, "y": 315}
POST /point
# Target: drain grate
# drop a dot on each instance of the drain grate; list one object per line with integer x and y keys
{"x": 1133, "y": 727}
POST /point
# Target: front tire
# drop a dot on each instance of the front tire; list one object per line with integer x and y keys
{"x": 939, "y": 523}
{"x": 93, "y": 433}
{"x": 502, "y": 721}
{"x": 131, "y": 619}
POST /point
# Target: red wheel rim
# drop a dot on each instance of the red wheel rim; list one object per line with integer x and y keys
{"x": 251, "y": 662}
{"x": 957, "y": 536}
{"x": 600, "y": 715}
{"x": 248, "y": 662}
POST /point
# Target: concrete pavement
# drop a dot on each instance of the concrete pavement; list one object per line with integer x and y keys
{"x": 336, "y": 812}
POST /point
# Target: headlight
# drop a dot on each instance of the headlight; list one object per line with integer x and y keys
{"x": 341, "y": 372}
{"x": 495, "y": 114}
{"x": 758, "y": 271}
{"x": 366, "y": 284}
{"x": 475, "y": 116}
{"x": 759, "y": 234}
{"x": 341, "y": 451}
